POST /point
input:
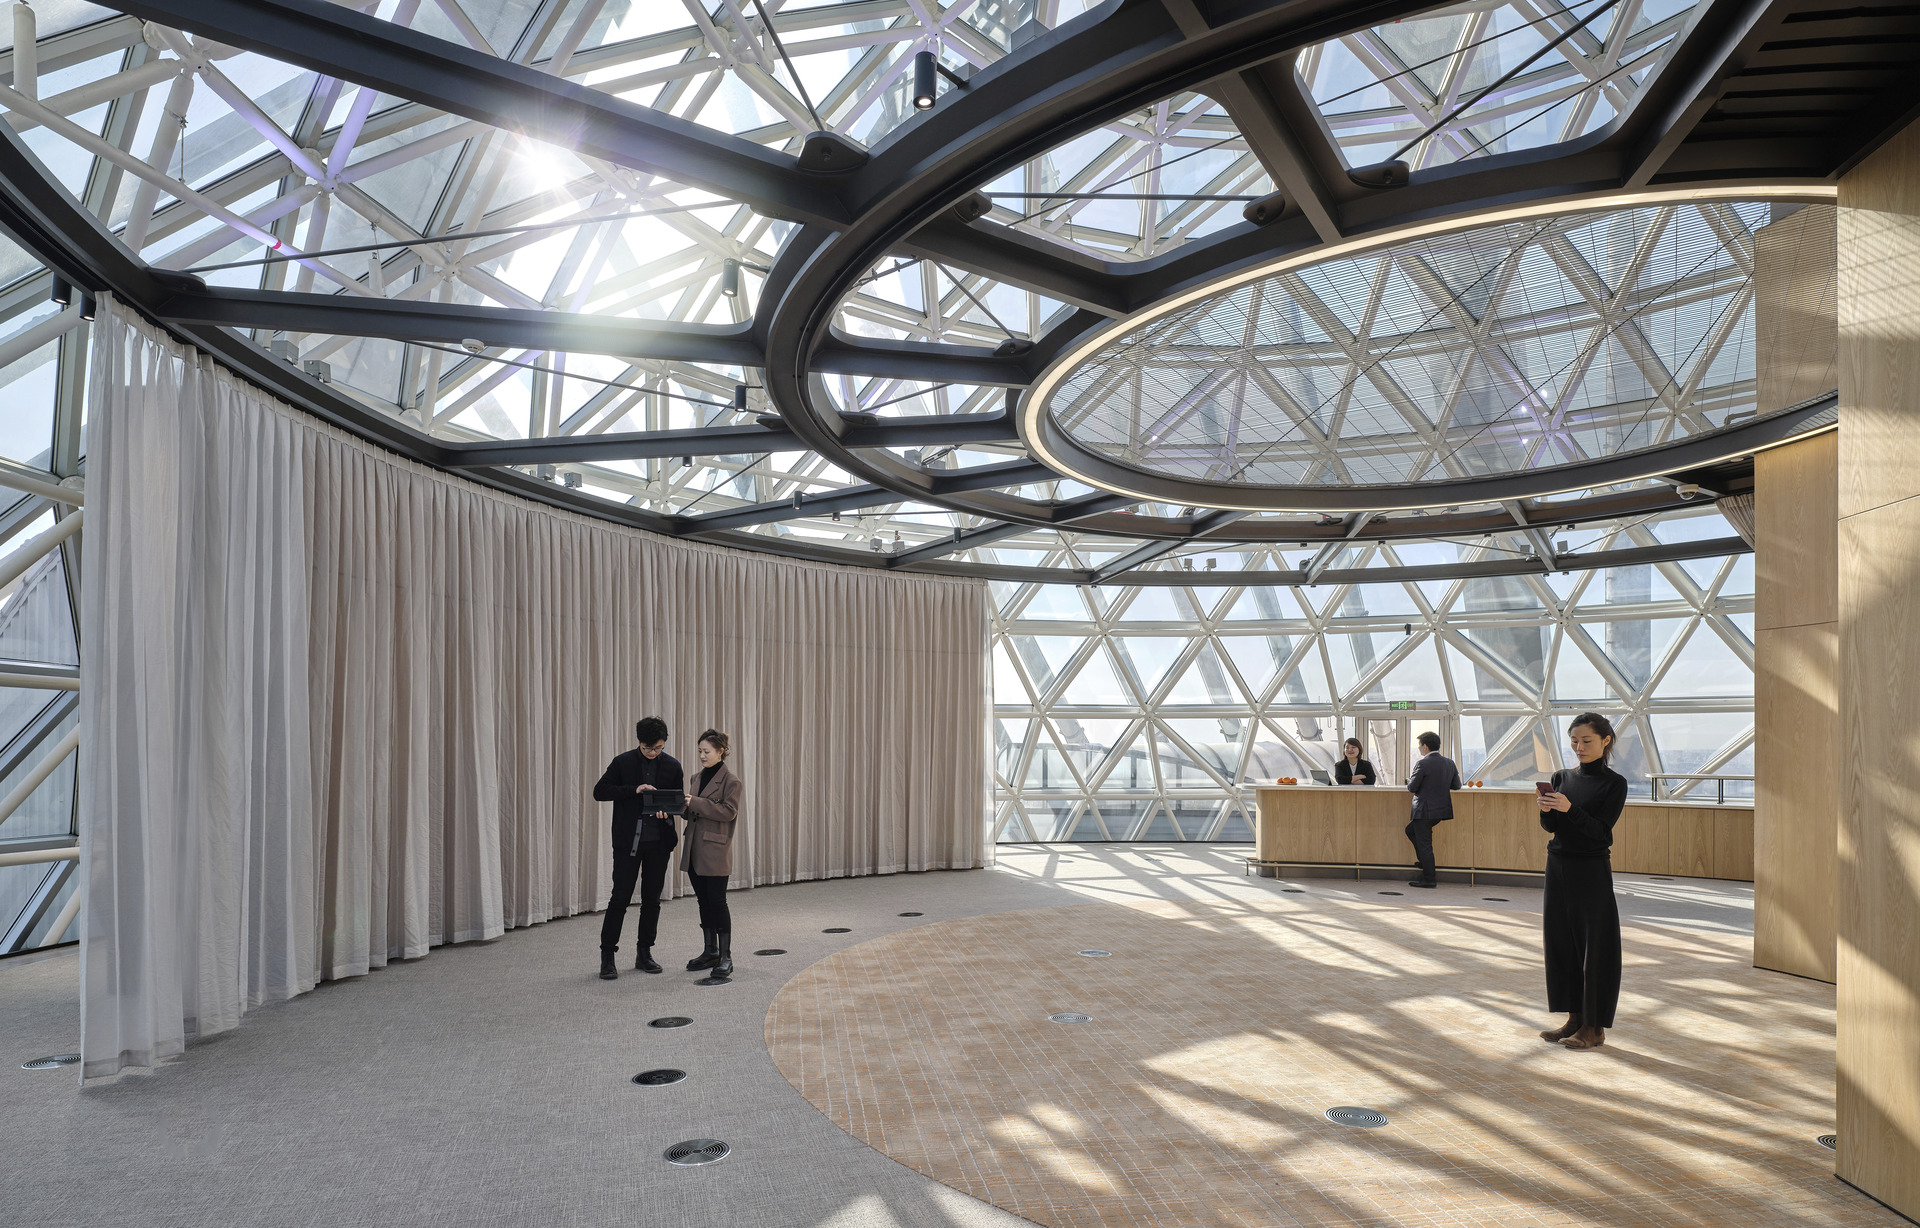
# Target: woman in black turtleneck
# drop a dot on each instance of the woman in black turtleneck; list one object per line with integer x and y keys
{"x": 1581, "y": 922}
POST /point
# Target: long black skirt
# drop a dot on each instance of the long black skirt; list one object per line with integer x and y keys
{"x": 1581, "y": 929}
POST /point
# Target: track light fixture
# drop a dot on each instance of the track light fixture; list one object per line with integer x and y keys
{"x": 86, "y": 306}
{"x": 62, "y": 291}
{"x": 739, "y": 396}
{"x": 730, "y": 275}
{"x": 925, "y": 77}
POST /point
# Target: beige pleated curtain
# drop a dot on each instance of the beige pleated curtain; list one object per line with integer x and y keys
{"x": 338, "y": 708}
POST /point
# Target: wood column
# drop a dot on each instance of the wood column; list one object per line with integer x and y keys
{"x": 1796, "y": 492}
{"x": 1878, "y": 995}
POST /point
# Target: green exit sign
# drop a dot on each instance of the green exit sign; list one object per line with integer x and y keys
{"x": 1400, "y": 705}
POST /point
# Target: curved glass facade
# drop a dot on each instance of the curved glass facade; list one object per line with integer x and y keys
{"x": 1144, "y": 713}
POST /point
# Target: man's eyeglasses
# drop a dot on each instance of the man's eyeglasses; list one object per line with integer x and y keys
{"x": 655, "y": 749}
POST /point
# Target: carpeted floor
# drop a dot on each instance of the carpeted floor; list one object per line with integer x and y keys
{"x": 489, "y": 1083}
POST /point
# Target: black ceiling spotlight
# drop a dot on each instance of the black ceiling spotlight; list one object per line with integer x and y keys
{"x": 924, "y": 80}
{"x": 739, "y": 396}
{"x": 1267, "y": 209}
{"x": 62, "y": 291}
{"x": 86, "y": 306}
{"x": 1389, "y": 174}
{"x": 730, "y": 275}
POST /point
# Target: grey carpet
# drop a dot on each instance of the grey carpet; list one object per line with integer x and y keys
{"x": 489, "y": 1083}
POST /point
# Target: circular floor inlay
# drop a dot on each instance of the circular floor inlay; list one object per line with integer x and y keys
{"x": 913, "y": 914}
{"x": 1095, "y": 953}
{"x": 52, "y": 1063}
{"x": 1071, "y": 1017}
{"x": 698, "y": 1151}
{"x": 838, "y": 929}
{"x": 669, "y": 1021}
{"x": 1830, "y": 1141}
{"x": 1393, "y": 893}
{"x": 1348, "y": 1115}
{"x": 1496, "y": 899}
{"x": 659, "y": 1078}
{"x": 772, "y": 951}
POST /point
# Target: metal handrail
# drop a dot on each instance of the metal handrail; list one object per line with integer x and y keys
{"x": 1720, "y": 781}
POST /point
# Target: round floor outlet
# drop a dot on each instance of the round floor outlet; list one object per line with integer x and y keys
{"x": 1348, "y": 1115}
{"x": 56, "y": 1062}
{"x": 1095, "y": 953}
{"x": 1830, "y": 1141}
{"x": 1294, "y": 890}
{"x": 1496, "y": 899}
{"x": 669, "y": 1021}
{"x": 772, "y": 951}
{"x": 913, "y": 914}
{"x": 698, "y": 1151}
{"x": 838, "y": 929}
{"x": 659, "y": 1078}
{"x": 1071, "y": 1017}
{"x": 1393, "y": 893}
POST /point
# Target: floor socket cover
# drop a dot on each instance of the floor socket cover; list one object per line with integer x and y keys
{"x": 913, "y": 914}
{"x": 772, "y": 951}
{"x": 55, "y": 1062}
{"x": 838, "y": 929}
{"x": 669, "y": 1021}
{"x": 1071, "y": 1017}
{"x": 698, "y": 1151}
{"x": 1830, "y": 1141}
{"x": 1294, "y": 890}
{"x": 1348, "y": 1115}
{"x": 659, "y": 1078}
{"x": 1095, "y": 953}
{"x": 1393, "y": 893}
{"x": 1496, "y": 899}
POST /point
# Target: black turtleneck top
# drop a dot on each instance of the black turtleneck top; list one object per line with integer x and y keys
{"x": 1597, "y": 794}
{"x": 706, "y": 778}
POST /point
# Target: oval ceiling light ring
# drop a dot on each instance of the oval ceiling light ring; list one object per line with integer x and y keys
{"x": 1053, "y": 446}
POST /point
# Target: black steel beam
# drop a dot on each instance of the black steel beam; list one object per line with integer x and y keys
{"x": 339, "y": 42}
{"x": 1718, "y": 547}
{"x": 721, "y": 441}
{"x": 918, "y": 360}
{"x": 1198, "y": 527}
{"x": 1024, "y": 260}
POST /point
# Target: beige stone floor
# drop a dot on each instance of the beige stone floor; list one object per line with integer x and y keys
{"x": 1224, "y": 1026}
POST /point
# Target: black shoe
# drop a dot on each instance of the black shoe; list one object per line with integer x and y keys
{"x": 723, "y": 964}
{"x": 707, "y": 958}
{"x": 643, "y": 962}
{"x": 607, "y": 971}
{"x": 1420, "y": 882}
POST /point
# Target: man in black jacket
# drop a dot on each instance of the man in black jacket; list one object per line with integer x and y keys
{"x": 628, "y": 780}
{"x": 1434, "y": 779}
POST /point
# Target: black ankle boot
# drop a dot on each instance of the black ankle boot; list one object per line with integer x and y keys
{"x": 723, "y": 964}
{"x": 607, "y": 971}
{"x": 643, "y": 962}
{"x": 707, "y": 958}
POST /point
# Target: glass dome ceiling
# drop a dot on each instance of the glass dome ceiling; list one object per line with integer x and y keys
{"x": 1517, "y": 346}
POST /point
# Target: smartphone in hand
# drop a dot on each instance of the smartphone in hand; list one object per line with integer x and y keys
{"x": 1542, "y": 787}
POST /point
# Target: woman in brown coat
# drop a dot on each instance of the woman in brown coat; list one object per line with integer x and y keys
{"x": 706, "y": 855}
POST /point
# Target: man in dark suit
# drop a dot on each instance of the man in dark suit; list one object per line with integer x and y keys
{"x": 1434, "y": 779}
{"x": 643, "y": 840}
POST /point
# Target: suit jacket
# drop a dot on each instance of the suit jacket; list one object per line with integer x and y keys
{"x": 710, "y": 824}
{"x": 1434, "y": 779}
{"x": 630, "y": 809}
{"x": 1343, "y": 773}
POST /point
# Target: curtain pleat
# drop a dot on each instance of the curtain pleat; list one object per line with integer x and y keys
{"x": 338, "y": 709}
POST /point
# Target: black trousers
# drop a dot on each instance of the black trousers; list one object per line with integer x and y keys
{"x": 649, "y": 870}
{"x": 1420, "y": 831}
{"x": 711, "y": 891}
{"x": 1581, "y": 930}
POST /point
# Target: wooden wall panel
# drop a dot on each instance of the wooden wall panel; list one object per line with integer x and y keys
{"x": 1733, "y": 846}
{"x": 1796, "y": 499}
{"x": 1507, "y": 833}
{"x": 1640, "y": 841}
{"x": 1380, "y": 826}
{"x": 1796, "y": 799}
{"x": 1453, "y": 840}
{"x": 1690, "y": 842}
{"x": 1878, "y": 994}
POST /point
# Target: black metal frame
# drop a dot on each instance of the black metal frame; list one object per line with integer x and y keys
{"x": 1693, "y": 127}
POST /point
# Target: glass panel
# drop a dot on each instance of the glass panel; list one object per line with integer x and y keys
{"x": 1096, "y": 685}
{"x": 1204, "y": 682}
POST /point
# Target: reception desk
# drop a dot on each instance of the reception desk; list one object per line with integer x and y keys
{"x": 1494, "y": 836}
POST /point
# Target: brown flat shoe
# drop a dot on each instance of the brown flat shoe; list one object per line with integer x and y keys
{"x": 1574, "y": 1042}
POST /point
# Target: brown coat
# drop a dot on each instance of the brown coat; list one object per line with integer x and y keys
{"x": 708, "y": 848}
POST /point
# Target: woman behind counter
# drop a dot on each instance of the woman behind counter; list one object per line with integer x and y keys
{"x": 1581, "y": 922}
{"x": 713, "y": 805}
{"x": 1352, "y": 769}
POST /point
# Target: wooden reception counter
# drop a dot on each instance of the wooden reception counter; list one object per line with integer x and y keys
{"x": 1495, "y": 835}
